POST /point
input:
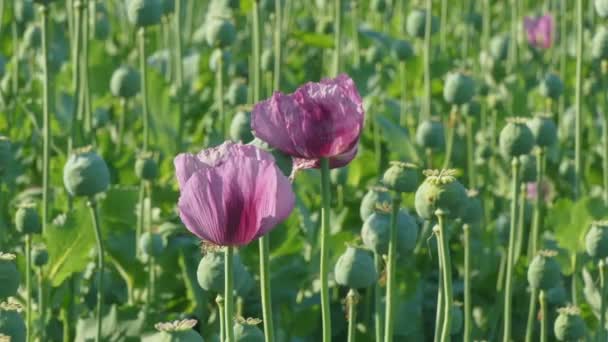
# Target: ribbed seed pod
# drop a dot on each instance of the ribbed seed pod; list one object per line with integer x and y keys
{"x": 355, "y": 269}
{"x": 440, "y": 190}
{"x": 544, "y": 271}
{"x": 569, "y": 325}
{"x": 516, "y": 139}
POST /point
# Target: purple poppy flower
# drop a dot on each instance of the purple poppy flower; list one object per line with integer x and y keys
{"x": 547, "y": 191}
{"x": 539, "y": 31}
{"x": 232, "y": 194}
{"x": 318, "y": 120}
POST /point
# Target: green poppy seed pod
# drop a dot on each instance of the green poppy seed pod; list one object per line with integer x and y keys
{"x": 177, "y": 331}
{"x": 125, "y": 82}
{"x": 599, "y": 44}
{"x": 248, "y": 332}
{"x": 429, "y": 134}
{"x": 457, "y": 320}
{"x": 527, "y": 167}
{"x": 220, "y": 33}
{"x": 499, "y": 47}
{"x": 144, "y": 13}
{"x": 440, "y": 190}
{"x": 32, "y": 37}
{"x": 56, "y": 57}
{"x": 458, "y": 88}
{"x": 402, "y": 50}
{"x": 483, "y": 152}
{"x": 416, "y": 23}
{"x": 544, "y": 271}
{"x": 11, "y": 322}
{"x": 325, "y": 25}
{"x": 355, "y": 269}
{"x": 557, "y": 295}
{"x": 374, "y": 54}
{"x": 567, "y": 170}
{"x": 475, "y": 20}
{"x": 146, "y": 168}
{"x": 267, "y": 61}
{"x": 378, "y": 6}
{"x": 9, "y": 276}
{"x": 101, "y": 117}
{"x": 551, "y": 86}
{"x": 596, "y": 241}
{"x": 27, "y": 220}
{"x": 152, "y": 244}
{"x": 544, "y": 130}
{"x": 473, "y": 210}
{"x": 472, "y": 109}
{"x": 210, "y": 272}
{"x": 85, "y": 174}
{"x": 567, "y": 125}
{"x": 601, "y": 8}
{"x": 240, "y": 127}
{"x": 515, "y": 139}
{"x": 23, "y": 10}
{"x": 102, "y": 26}
{"x": 375, "y": 196}
{"x": 6, "y": 154}
{"x": 40, "y": 256}
{"x": 214, "y": 59}
{"x": 569, "y": 325}
{"x": 401, "y": 177}
{"x": 237, "y": 93}
{"x": 376, "y": 229}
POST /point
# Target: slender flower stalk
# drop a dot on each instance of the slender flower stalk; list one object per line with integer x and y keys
{"x": 427, "y": 60}
{"x": 443, "y": 25}
{"x": 470, "y": 151}
{"x": 355, "y": 23}
{"x": 76, "y": 78}
{"x": 278, "y": 43}
{"x": 255, "y": 29}
{"x": 265, "y": 288}
{"x": 531, "y": 315}
{"x": 520, "y": 223}
{"x": 352, "y": 299}
{"x": 378, "y": 326}
{"x": 337, "y": 37}
{"x": 391, "y": 266}
{"x": 85, "y": 94}
{"x": 602, "y": 327}
{"x": 220, "y": 309}
{"x": 510, "y": 264}
{"x": 100, "y": 265}
{"x": 41, "y": 304}
{"x": 324, "y": 267}
{"x": 440, "y": 300}
{"x": 143, "y": 66}
{"x": 179, "y": 71}
{"x": 452, "y": 119}
{"x": 542, "y": 298}
{"x": 540, "y": 160}
{"x": 467, "y": 282}
{"x": 219, "y": 74}
{"x": 28, "y": 287}
{"x": 228, "y": 294}
{"x": 46, "y": 123}
{"x": 578, "y": 101}
{"x": 444, "y": 251}
{"x": 605, "y": 131}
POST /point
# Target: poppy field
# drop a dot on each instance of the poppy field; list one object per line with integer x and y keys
{"x": 303, "y": 171}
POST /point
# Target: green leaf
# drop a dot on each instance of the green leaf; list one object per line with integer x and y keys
{"x": 117, "y": 209}
{"x": 69, "y": 241}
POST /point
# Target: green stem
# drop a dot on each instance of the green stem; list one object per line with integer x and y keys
{"x": 509, "y": 276}
{"x": 602, "y": 327}
{"x": 450, "y": 138}
{"x": 46, "y": 134}
{"x": 440, "y": 300}
{"x": 486, "y": 28}
{"x": 578, "y": 98}
{"x": 378, "y": 300}
{"x": 403, "y": 115}
{"x": 220, "y": 93}
{"x": 143, "y": 67}
{"x": 324, "y": 267}
{"x": 574, "y": 284}
{"x": 443, "y": 25}
{"x": 228, "y": 294}
{"x": 352, "y": 298}
{"x": 41, "y": 304}
{"x": 391, "y": 266}
{"x": 278, "y": 44}
{"x": 444, "y": 250}
{"x": 265, "y": 288}
{"x": 543, "y": 322}
{"x": 355, "y": 23}
{"x": 427, "y": 60}
{"x": 605, "y": 133}
{"x": 337, "y": 36}
{"x": 84, "y": 62}
{"x": 220, "y": 309}
{"x": 179, "y": 72}
{"x": 531, "y": 315}
{"x": 28, "y": 287}
{"x": 520, "y": 223}
{"x": 100, "y": 265}
{"x": 121, "y": 124}
{"x": 142, "y": 216}
{"x": 470, "y": 153}
{"x": 257, "y": 77}
{"x": 540, "y": 158}
{"x": 501, "y": 271}
{"x": 467, "y": 282}
{"x": 76, "y": 78}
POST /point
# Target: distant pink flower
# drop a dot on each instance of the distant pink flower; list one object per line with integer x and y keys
{"x": 232, "y": 194}
{"x": 318, "y": 120}
{"x": 547, "y": 191}
{"x": 540, "y": 31}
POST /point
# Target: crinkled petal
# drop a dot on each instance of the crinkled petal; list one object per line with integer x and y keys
{"x": 268, "y": 121}
{"x": 186, "y": 165}
{"x": 334, "y": 162}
